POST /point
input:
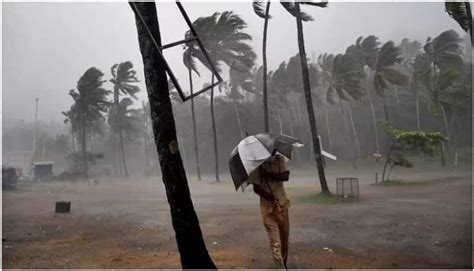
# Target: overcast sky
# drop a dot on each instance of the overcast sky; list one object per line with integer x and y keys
{"x": 48, "y": 46}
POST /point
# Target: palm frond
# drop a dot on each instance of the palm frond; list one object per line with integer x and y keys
{"x": 458, "y": 11}
{"x": 259, "y": 9}
{"x": 290, "y": 7}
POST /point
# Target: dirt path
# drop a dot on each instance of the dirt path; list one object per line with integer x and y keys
{"x": 119, "y": 224}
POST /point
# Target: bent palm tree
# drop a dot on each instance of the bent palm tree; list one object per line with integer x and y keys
{"x": 294, "y": 9}
{"x": 411, "y": 64}
{"x": 188, "y": 61}
{"x": 123, "y": 76}
{"x": 258, "y": 9}
{"x": 385, "y": 72}
{"x": 443, "y": 55}
{"x": 90, "y": 99}
{"x": 223, "y": 37}
{"x": 343, "y": 81}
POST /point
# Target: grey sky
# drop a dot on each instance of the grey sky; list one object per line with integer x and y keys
{"x": 48, "y": 46}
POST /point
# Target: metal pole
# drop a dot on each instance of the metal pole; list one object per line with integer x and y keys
{"x": 35, "y": 135}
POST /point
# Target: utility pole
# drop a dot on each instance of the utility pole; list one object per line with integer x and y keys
{"x": 35, "y": 135}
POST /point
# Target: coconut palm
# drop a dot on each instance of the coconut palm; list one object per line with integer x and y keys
{"x": 444, "y": 57}
{"x": 386, "y": 72}
{"x": 72, "y": 118}
{"x": 412, "y": 64}
{"x": 461, "y": 13}
{"x": 223, "y": 37}
{"x": 294, "y": 9}
{"x": 364, "y": 51}
{"x": 90, "y": 99}
{"x": 239, "y": 83}
{"x": 258, "y": 9}
{"x": 343, "y": 79}
{"x": 123, "y": 78}
{"x": 190, "y": 64}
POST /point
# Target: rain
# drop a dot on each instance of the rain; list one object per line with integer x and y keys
{"x": 236, "y": 135}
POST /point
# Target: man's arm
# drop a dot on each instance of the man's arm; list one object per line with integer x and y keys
{"x": 264, "y": 194}
{"x": 282, "y": 176}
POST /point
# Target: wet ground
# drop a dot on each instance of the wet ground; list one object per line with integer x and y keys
{"x": 425, "y": 223}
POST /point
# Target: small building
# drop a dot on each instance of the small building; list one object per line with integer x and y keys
{"x": 43, "y": 169}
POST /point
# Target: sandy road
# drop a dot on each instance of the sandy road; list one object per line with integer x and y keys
{"x": 126, "y": 224}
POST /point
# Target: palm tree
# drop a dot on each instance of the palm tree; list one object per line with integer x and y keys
{"x": 411, "y": 64}
{"x": 365, "y": 52}
{"x": 189, "y": 62}
{"x": 386, "y": 73}
{"x": 294, "y": 9}
{"x": 72, "y": 118}
{"x": 90, "y": 99}
{"x": 191, "y": 246}
{"x": 443, "y": 55}
{"x": 344, "y": 82}
{"x": 258, "y": 9}
{"x": 239, "y": 82}
{"x": 223, "y": 37}
{"x": 123, "y": 77}
{"x": 461, "y": 13}
{"x": 129, "y": 121}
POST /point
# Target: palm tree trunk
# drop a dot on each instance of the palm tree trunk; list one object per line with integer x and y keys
{"x": 385, "y": 109}
{"x": 354, "y": 131}
{"x": 280, "y": 122}
{"x": 214, "y": 132}
{"x": 191, "y": 246}
{"x": 397, "y": 99}
{"x": 122, "y": 151}
{"x": 266, "y": 124}
{"x": 374, "y": 118}
{"x": 193, "y": 116}
{"x": 119, "y": 126}
{"x": 73, "y": 140}
{"x": 145, "y": 136}
{"x": 83, "y": 140}
{"x": 417, "y": 101}
{"x": 309, "y": 102}
{"x": 237, "y": 116}
{"x": 446, "y": 130}
{"x": 328, "y": 127}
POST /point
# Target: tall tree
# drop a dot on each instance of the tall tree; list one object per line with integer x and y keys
{"x": 410, "y": 63}
{"x": 365, "y": 52}
{"x": 90, "y": 99}
{"x": 344, "y": 84}
{"x": 191, "y": 245}
{"x": 190, "y": 64}
{"x": 444, "y": 57}
{"x": 224, "y": 38}
{"x": 294, "y": 9}
{"x": 258, "y": 9}
{"x": 386, "y": 72}
{"x": 123, "y": 77}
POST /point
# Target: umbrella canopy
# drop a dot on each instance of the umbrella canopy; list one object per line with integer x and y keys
{"x": 253, "y": 150}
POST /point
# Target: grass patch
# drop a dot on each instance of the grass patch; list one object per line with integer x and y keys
{"x": 319, "y": 198}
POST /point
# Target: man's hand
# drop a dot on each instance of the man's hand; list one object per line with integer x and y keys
{"x": 264, "y": 194}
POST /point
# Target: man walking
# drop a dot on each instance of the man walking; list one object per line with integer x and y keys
{"x": 274, "y": 203}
